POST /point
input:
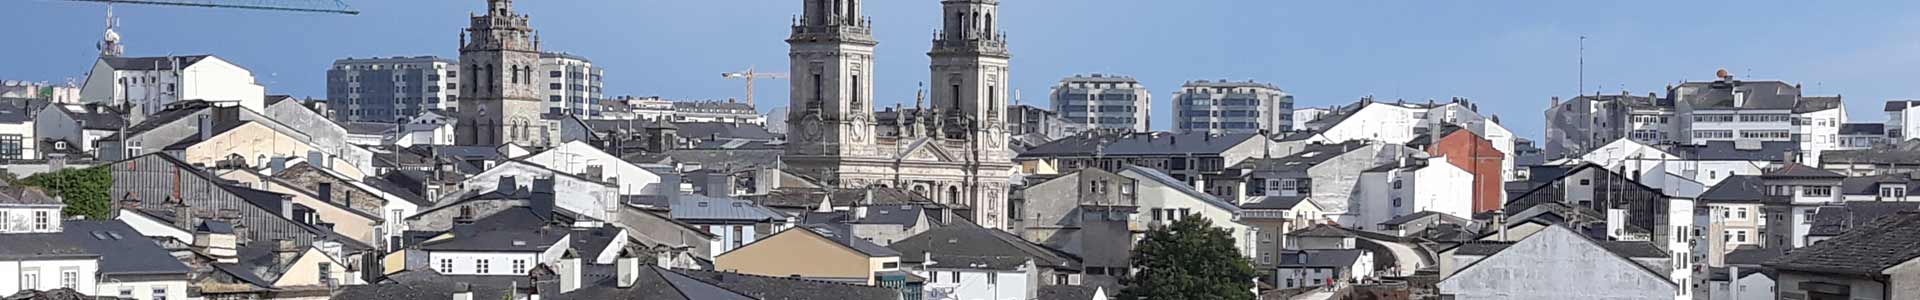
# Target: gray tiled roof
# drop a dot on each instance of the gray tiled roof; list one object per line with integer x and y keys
{"x": 1837, "y": 220}
{"x": 96, "y": 116}
{"x": 1177, "y": 185}
{"x": 1153, "y": 143}
{"x": 726, "y": 159}
{"x": 1480, "y": 248}
{"x": 903, "y": 215}
{"x": 122, "y": 250}
{"x": 1772, "y": 95}
{"x": 1633, "y": 249}
{"x": 777, "y": 288}
{"x": 1905, "y": 152}
{"x": 1321, "y": 230}
{"x": 809, "y": 198}
{"x": 1863, "y": 128}
{"x": 1796, "y": 170}
{"x": 20, "y": 246}
{"x": 1443, "y": 217}
{"x": 978, "y": 242}
{"x": 844, "y": 236}
{"x": 428, "y": 285}
{"x": 1310, "y": 156}
{"x": 23, "y": 196}
{"x": 1870, "y": 185}
{"x": 706, "y": 208}
{"x": 151, "y": 63}
{"x": 512, "y": 230}
{"x": 1067, "y": 292}
{"x": 1736, "y": 188}
{"x": 1753, "y": 255}
{"x": 1728, "y": 150}
{"x": 1866, "y": 250}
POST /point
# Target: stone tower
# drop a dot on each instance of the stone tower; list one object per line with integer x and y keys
{"x": 830, "y": 114}
{"x": 498, "y": 55}
{"x": 970, "y": 70}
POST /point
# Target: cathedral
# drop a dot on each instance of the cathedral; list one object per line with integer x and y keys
{"x": 500, "y": 102}
{"x": 954, "y": 151}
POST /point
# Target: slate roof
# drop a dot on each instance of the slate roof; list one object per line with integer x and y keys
{"x": 706, "y": 208}
{"x": 123, "y": 251}
{"x": 1321, "y": 230}
{"x": 429, "y": 285}
{"x": 973, "y": 244}
{"x": 719, "y": 130}
{"x": 1309, "y": 156}
{"x": 173, "y": 112}
{"x": 1633, "y": 249}
{"x": 1182, "y": 187}
{"x": 1866, "y": 250}
{"x": 809, "y": 198}
{"x": 512, "y": 230}
{"x": 844, "y": 236}
{"x": 151, "y": 63}
{"x": 1320, "y": 258}
{"x": 1736, "y": 189}
{"x": 1443, "y": 217}
{"x": 1139, "y": 144}
{"x": 903, "y": 215}
{"x": 1719, "y": 94}
{"x": 1728, "y": 150}
{"x": 653, "y": 283}
{"x": 367, "y": 128}
{"x": 1816, "y": 103}
{"x": 18, "y": 111}
{"x": 1066, "y": 292}
{"x": 1753, "y": 255}
{"x": 1870, "y": 185}
{"x": 1796, "y": 170}
{"x": 778, "y": 288}
{"x": 1836, "y": 220}
{"x": 1480, "y": 248}
{"x": 1274, "y": 202}
{"x": 380, "y": 183}
{"x": 723, "y": 159}
{"x": 1863, "y": 129}
{"x": 1905, "y": 152}
{"x": 25, "y": 246}
{"x": 23, "y": 196}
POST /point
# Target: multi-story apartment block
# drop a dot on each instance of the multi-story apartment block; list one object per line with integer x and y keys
{"x": 1101, "y": 101}
{"x": 1696, "y": 113}
{"x": 1036, "y": 124}
{"x": 1236, "y": 107}
{"x": 717, "y": 111}
{"x": 572, "y": 83}
{"x": 388, "y": 89}
{"x": 651, "y": 108}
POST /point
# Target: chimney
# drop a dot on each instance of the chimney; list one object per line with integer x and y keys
{"x": 1617, "y": 223}
{"x": 628, "y": 267}
{"x": 569, "y": 272}
{"x": 665, "y": 260}
{"x": 462, "y": 291}
{"x": 285, "y": 251}
{"x": 206, "y": 127}
{"x": 543, "y": 198}
{"x": 182, "y": 215}
{"x": 507, "y": 186}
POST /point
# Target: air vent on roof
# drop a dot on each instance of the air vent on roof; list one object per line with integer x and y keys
{"x": 519, "y": 243}
{"x": 100, "y": 235}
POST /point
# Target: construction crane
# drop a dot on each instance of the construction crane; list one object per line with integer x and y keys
{"x": 750, "y": 75}
{"x": 314, "y": 6}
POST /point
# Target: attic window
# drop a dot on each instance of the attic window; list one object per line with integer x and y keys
{"x": 703, "y": 204}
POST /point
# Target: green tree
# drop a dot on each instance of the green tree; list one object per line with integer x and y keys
{"x": 1189, "y": 259}
{"x": 84, "y": 190}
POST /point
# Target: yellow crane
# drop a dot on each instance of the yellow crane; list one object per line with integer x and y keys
{"x": 749, "y": 75}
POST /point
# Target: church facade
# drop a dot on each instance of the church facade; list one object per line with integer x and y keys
{"x": 953, "y": 152}
{"x": 499, "y": 53}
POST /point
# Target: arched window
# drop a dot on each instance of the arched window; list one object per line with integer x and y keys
{"x": 953, "y": 194}
{"x": 988, "y": 26}
{"x": 488, "y": 81}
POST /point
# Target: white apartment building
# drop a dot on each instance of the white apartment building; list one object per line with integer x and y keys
{"x": 651, "y": 108}
{"x": 1697, "y": 113}
{"x": 387, "y": 89}
{"x": 148, "y": 84}
{"x": 1401, "y": 122}
{"x": 47, "y": 261}
{"x": 1103, "y": 101}
{"x": 572, "y": 83}
{"x": 1301, "y": 116}
{"x": 1231, "y": 107}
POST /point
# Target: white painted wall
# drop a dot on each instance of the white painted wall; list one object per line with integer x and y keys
{"x": 30, "y": 219}
{"x": 45, "y": 274}
{"x": 144, "y": 290}
{"x": 975, "y": 284}
{"x": 576, "y": 156}
{"x": 467, "y": 263}
{"x": 1153, "y": 195}
{"x": 152, "y": 227}
{"x": 725, "y": 240}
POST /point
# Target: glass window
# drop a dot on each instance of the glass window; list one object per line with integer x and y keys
{"x": 446, "y": 265}
{"x": 42, "y": 220}
{"x": 70, "y": 278}
{"x": 519, "y": 266}
{"x": 480, "y": 266}
{"x": 10, "y": 146}
{"x": 159, "y": 293}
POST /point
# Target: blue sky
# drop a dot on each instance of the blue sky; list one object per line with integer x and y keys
{"x": 1511, "y": 56}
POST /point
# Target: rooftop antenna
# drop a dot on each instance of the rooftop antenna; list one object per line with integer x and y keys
{"x": 1583, "y": 66}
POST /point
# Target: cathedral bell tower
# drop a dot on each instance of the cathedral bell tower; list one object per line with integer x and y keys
{"x": 969, "y": 70}
{"x": 830, "y": 115}
{"x": 498, "y": 56}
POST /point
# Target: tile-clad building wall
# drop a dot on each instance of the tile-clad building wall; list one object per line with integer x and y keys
{"x": 156, "y": 179}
